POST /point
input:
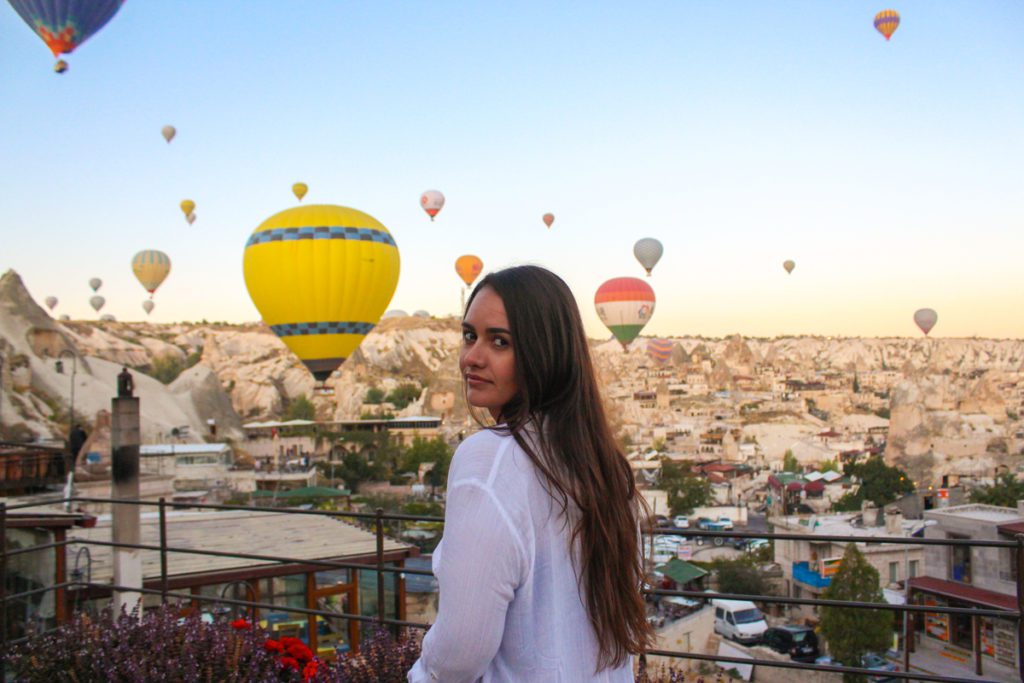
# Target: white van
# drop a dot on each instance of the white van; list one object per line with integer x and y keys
{"x": 739, "y": 620}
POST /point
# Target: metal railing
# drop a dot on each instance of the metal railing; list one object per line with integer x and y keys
{"x": 376, "y": 521}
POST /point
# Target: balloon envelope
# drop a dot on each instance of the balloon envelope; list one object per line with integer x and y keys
{"x": 151, "y": 268}
{"x": 95, "y": 283}
{"x": 321, "y": 276}
{"x": 191, "y": 218}
{"x": 468, "y": 267}
{"x": 300, "y": 190}
{"x": 51, "y": 302}
{"x": 432, "y": 201}
{"x": 549, "y": 218}
{"x": 148, "y": 306}
{"x": 886, "y": 22}
{"x": 187, "y": 206}
{"x": 660, "y": 350}
{"x": 168, "y": 132}
{"x": 926, "y": 319}
{"x": 648, "y": 252}
{"x": 789, "y": 265}
{"x": 65, "y": 24}
{"x": 625, "y": 305}
{"x": 97, "y": 302}
{"x": 108, "y": 318}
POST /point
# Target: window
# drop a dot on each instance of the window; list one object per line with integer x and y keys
{"x": 914, "y": 567}
{"x": 894, "y": 572}
{"x": 960, "y": 565}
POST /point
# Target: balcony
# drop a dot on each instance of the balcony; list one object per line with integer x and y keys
{"x": 803, "y": 573}
{"x": 27, "y": 467}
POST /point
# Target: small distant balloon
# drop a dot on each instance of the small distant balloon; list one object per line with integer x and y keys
{"x": 97, "y": 302}
{"x": 789, "y": 265}
{"x": 886, "y": 22}
{"x": 148, "y": 306}
{"x": 549, "y": 218}
{"x": 187, "y": 206}
{"x": 300, "y": 190}
{"x": 926, "y": 319}
{"x": 191, "y": 218}
{"x": 660, "y": 350}
{"x": 108, "y": 318}
{"x": 432, "y": 201}
{"x": 64, "y": 317}
{"x": 648, "y": 252}
{"x": 168, "y": 132}
{"x": 95, "y": 283}
{"x": 151, "y": 268}
{"x": 51, "y": 302}
{"x": 468, "y": 267}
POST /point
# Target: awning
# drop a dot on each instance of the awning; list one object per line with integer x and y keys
{"x": 1012, "y": 529}
{"x": 680, "y": 571}
{"x": 959, "y": 591}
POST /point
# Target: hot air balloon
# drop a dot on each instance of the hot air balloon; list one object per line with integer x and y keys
{"x": 469, "y": 268}
{"x": 187, "y": 206}
{"x": 548, "y": 219}
{"x": 191, "y": 218}
{"x": 321, "y": 276}
{"x": 65, "y": 24}
{"x": 95, "y": 283}
{"x": 97, "y": 302}
{"x": 300, "y": 190}
{"x": 625, "y": 305}
{"x": 151, "y": 268}
{"x": 51, "y": 302}
{"x": 432, "y": 201}
{"x": 926, "y": 319}
{"x": 108, "y": 318}
{"x": 648, "y": 252}
{"x": 148, "y": 306}
{"x": 886, "y": 22}
{"x": 789, "y": 265}
{"x": 660, "y": 350}
{"x": 64, "y": 317}
{"x": 168, "y": 132}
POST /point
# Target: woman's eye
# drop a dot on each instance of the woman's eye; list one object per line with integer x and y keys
{"x": 468, "y": 337}
{"x": 502, "y": 343}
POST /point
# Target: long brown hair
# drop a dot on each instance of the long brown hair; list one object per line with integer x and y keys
{"x": 575, "y": 450}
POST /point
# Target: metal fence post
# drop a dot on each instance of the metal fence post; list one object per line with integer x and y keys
{"x": 1020, "y": 605}
{"x": 163, "y": 551}
{"x": 3, "y": 590}
{"x": 380, "y": 567}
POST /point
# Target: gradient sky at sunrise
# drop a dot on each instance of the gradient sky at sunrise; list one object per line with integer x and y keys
{"x": 740, "y": 134}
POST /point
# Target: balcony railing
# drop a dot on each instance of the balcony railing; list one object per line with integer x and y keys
{"x": 24, "y": 467}
{"x": 376, "y": 521}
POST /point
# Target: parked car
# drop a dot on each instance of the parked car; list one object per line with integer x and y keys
{"x": 739, "y": 620}
{"x": 726, "y": 523}
{"x": 755, "y": 544}
{"x": 681, "y": 522}
{"x": 661, "y": 521}
{"x": 877, "y": 662}
{"x": 799, "y": 642}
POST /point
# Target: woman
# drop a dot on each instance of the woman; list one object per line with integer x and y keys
{"x": 540, "y": 566}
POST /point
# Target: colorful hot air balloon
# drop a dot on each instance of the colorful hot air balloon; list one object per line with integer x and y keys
{"x": 97, "y": 302}
{"x": 432, "y": 201}
{"x": 151, "y": 268}
{"x": 95, "y": 283}
{"x": 469, "y": 268}
{"x": 886, "y": 22}
{"x": 65, "y": 24}
{"x": 789, "y": 265}
{"x": 148, "y": 306}
{"x": 187, "y": 206}
{"x": 191, "y": 218}
{"x": 300, "y": 190}
{"x": 321, "y": 276}
{"x": 51, "y": 302}
{"x": 660, "y": 350}
{"x": 548, "y": 219}
{"x": 168, "y": 132}
{"x": 648, "y": 252}
{"x": 625, "y": 305}
{"x": 926, "y": 319}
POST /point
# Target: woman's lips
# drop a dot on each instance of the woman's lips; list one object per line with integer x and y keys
{"x": 476, "y": 380}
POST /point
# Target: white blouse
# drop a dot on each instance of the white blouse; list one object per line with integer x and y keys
{"x": 510, "y": 609}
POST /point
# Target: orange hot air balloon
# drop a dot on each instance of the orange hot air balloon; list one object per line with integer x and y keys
{"x": 886, "y": 22}
{"x": 469, "y": 268}
{"x": 549, "y": 218}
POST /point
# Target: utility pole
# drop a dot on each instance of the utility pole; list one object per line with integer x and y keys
{"x": 124, "y": 445}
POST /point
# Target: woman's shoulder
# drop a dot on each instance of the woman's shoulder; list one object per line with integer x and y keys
{"x": 482, "y": 454}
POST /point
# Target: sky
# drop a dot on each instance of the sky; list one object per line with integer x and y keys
{"x": 740, "y": 134}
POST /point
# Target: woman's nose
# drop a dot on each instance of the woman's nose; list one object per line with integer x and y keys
{"x": 472, "y": 357}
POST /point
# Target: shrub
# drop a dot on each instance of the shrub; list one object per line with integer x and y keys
{"x": 166, "y": 368}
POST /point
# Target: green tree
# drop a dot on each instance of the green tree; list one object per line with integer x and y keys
{"x": 355, "y": 468}
{"x": 1005, "y": 492}
{"x": 879, "y": 483}
{"x": 685, "y": 489}
{"x": 659, "y": 445}
{"x": 856, "y": 383}
{"x": 374, "y": 396}
{"x": 300, "y": 408}
{"x": 827, "y": 465}
{"x": 404, "y": 394}
{"x": 853, "y": 632}
{"x": 423, "y": 451}
{"x": 789, "y": 462}
{"x": 741, "y": 575}
{"x": 166, "y": 368}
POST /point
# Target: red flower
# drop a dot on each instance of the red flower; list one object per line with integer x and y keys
{"x": 240, "y": 624}
{"x": 309, "y": 671}
{"x": 288, "y": 662}
{"x": 299, "y": 651}
{"x": 273, "y": 646}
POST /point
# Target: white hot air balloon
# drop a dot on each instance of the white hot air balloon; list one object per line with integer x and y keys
{"x": 789, "y": 265}
{"x": 926, "y": 319}
{"x": 97, "y": 302}
{"x": 648, "y": 252}
{"x": 147, "y": 306}
{"x": 95, "y": 283}
{"x": 108, "y": 318}
{"x": 432, "y": 201}
{"x": 51, "y": 302}
{"x": 168, "y": 132}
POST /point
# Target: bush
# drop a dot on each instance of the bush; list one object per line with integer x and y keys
{"x": 166, "y": 368}
{"x": 404, "y": 394}
{"x": 374, "y": 396}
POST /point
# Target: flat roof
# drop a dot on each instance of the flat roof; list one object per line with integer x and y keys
{"x": 182, "y": 448}
{"x": 979, "y": 512}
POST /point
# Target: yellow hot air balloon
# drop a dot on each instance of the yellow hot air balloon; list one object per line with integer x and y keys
{"x": 300, "y": 190}
{"x": 468, "y": 267}
{"x": 886, "y": 22}
{"x": 321, "y": 276}
{"x": 151, "y": 268}
{"x": 187, "y": 206}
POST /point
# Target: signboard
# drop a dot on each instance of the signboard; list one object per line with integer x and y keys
{"x": 936, "y": 625}
{"x": 943, "y": 493}
{"x": 829, "y": 567}
{"x": 685, "y": 551}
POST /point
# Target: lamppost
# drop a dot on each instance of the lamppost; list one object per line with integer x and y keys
{"x": 69, "y": 490}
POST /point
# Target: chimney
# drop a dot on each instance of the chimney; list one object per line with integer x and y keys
{"x": 894, "y": 523}
{"x": 869, "y": 513}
